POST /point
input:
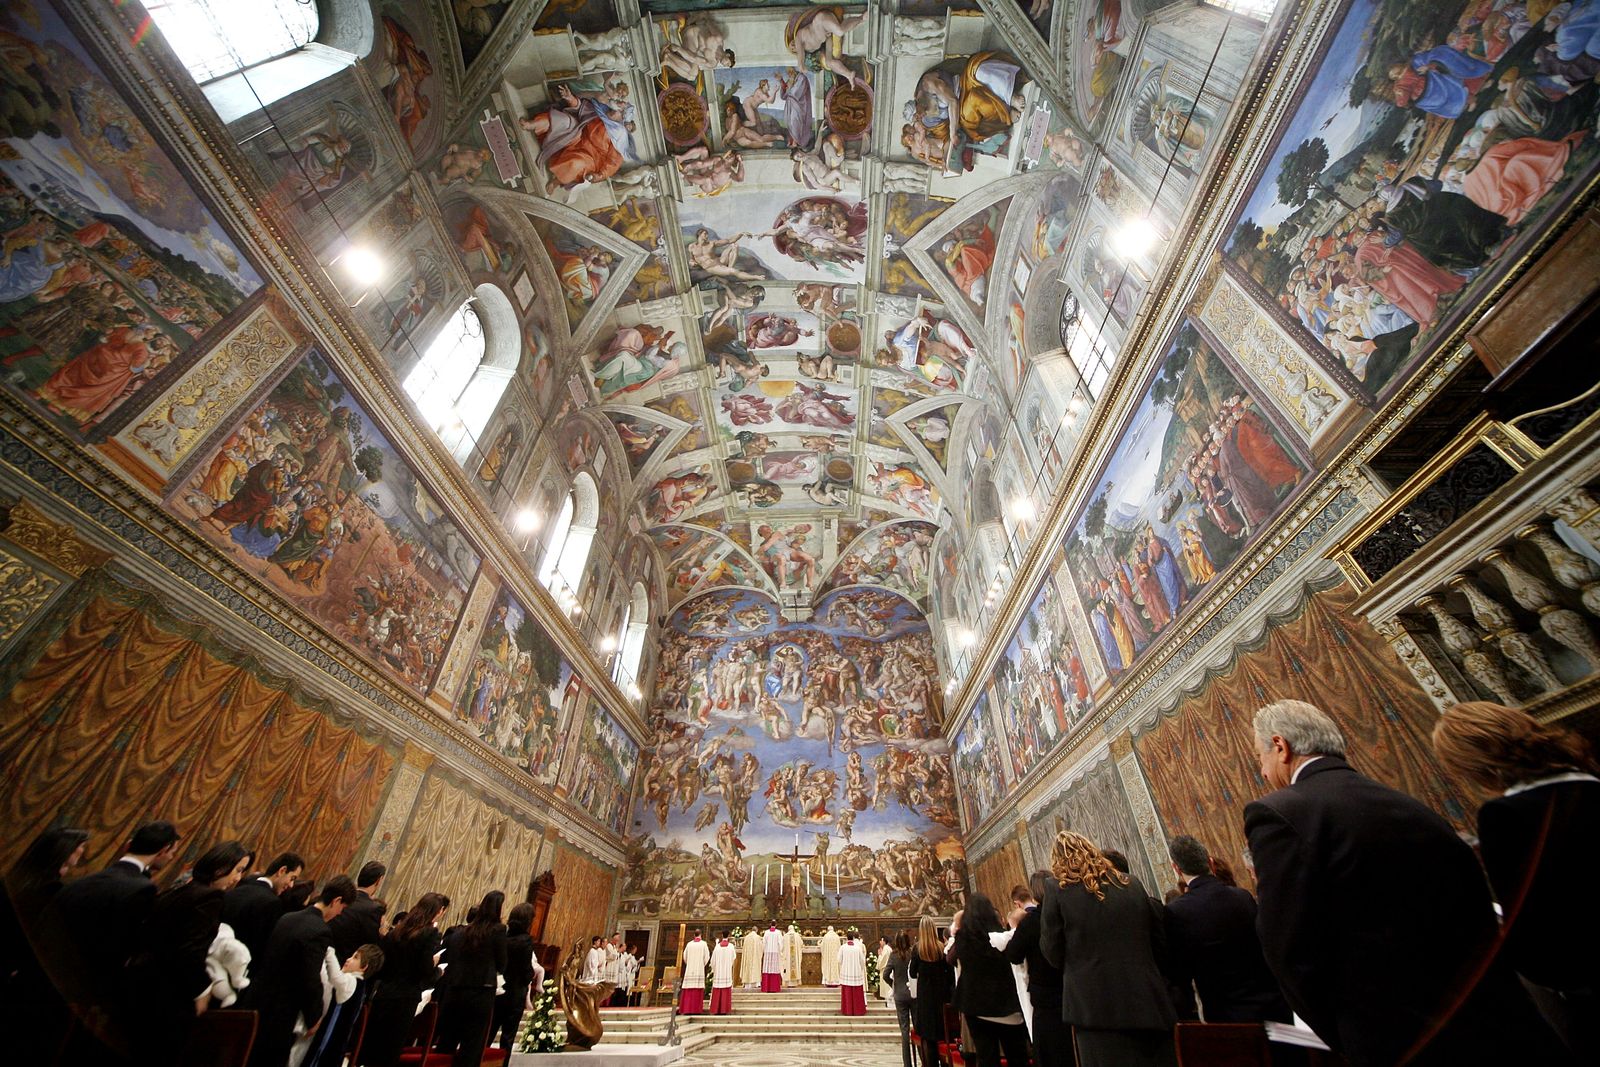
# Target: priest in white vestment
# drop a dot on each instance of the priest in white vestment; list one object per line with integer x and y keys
{"x": 796, "y": 946}
{"x": 696, "y": 954}
{"x": 722, "y": 958}
{"x": 852, "y": 972}
{"x": 750, "y": 960}
{"x": 772, "y": 959}
{"x": 830, "y": 957}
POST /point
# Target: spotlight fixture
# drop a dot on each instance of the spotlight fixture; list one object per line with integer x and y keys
{"x": 1134, "y": 238}
{"x": 527, "y": 520}
{"x": 608, "y": 643}
{"x": 967, "y": 638}
{"x": 1022, "y": 509}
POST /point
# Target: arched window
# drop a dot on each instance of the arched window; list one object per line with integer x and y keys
{"x": 217, "y": 37}
{"x": 633, "y": 627}
{"x": 248, "y": 54}
{"x": 566, "y": 550}
{"x": 463, "y": 375}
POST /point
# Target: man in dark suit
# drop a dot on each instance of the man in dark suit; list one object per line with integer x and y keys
{"x": 254, "y": 906}
{"x": 1375, "y": 916}
{"x": 93, "y": 926}
{"x": 290, "y": 972}
{"x": 359, "y": 924}
{"x": 1212, "y": 943}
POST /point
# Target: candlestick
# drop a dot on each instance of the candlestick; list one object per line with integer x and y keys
{"x": 752, "y": 880}
{"x": 766, "y": 878}
{"x": 780, "y": 878}
{"x": 808, "y": 883}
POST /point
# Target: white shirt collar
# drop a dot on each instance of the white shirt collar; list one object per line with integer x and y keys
{"x": 1295, "y": 777}
{"x": 1554, "y": 779}
{"x": 136, "y": 861}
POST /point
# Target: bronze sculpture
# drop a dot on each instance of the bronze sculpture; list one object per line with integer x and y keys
{"x": 580, "y": 1001}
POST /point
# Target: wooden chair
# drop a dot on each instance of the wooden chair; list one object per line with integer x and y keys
{"x": 220, "y": 1038}
{"x": 1222, "y": 1045}
{"x": 643, "y": 984}
{"x": 358, "y": 1032}
{"x": 422, "y": 1027}
{"x": 669, "y": 978}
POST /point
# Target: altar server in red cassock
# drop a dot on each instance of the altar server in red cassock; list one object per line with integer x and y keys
{"x": 722, "y": 960}
{"x": 852, "y": 977}
{"x": 695, "y": 954}
{"x": 772, "y": 960}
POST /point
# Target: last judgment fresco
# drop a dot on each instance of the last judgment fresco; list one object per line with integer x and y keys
{"x": 778, "y": 739}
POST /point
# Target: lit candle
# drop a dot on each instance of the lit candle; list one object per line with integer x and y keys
{"x": 752, "y": 879}
{"x": 808, "y": 883}
{"x": 766, "y": 877}
{"x": 780, "y": 879}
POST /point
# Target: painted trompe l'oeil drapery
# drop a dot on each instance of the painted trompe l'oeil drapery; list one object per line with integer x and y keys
{"x": 1201, "y": 761}
{"x": 130, "y": 714}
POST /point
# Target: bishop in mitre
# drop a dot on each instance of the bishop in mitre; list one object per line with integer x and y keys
{"x": 695, "y": 956}
{"x": 852, "y": 972}
{"x": 830, "y": 957}
{"x": 750, "y": 960}
{"x": 772, "y": 957}
{"x": 722, "y": 958}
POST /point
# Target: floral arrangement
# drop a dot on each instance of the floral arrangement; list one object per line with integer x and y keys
{"x": 851, "y": 931}
{"x": 872, "y": 973}
{"x": 545, "y": 1033}
{"x": 737, "y": 935}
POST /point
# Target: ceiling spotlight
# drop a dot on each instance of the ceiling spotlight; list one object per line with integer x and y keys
{"x": 608, "y": 643}
{"x": 363, "y": 266}
{"x": 634, "y": 691}
{"x": 1022, "y": 509}
{"x": 1134, "y": 238}
{"x": 967, "y": 638}
{"x": 527, "y": 520}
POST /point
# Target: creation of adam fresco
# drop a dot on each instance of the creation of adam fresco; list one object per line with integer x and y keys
{"x": 825, "y": 732}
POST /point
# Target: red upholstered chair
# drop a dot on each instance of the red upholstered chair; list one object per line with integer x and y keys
{"x": 950, "y": 1041}
{"x": 1222, "y": 1045}
{"x": 422, "y": 1028}
{"x": 358, "y": 1032}
{"x": 220, "y": 1039}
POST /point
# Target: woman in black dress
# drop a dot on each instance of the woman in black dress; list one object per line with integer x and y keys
{"x": 1106, "y": 934}
{"x": 167, "y": 980}
{"x": 27, "y": 956}
{"x": 1537, "y": 840}
{"x": 509, "y": 1006}
{"x": 409, "y": 950}
{"x": 987, "y": 992}
{"x": 934, "y": 978}
{"x": 475, "y": 955}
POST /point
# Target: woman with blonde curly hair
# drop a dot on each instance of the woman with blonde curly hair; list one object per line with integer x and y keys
{"x": 1105, "y": 933}
{"x": 1537, "y": 842}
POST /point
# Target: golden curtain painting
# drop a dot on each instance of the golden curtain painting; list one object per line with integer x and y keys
{"x": 999, "y": 872}
{"x": 457, "y": 844}
{"x": 582, "y": 902}
{"x": 1201, "y": 761}
{"x": 129, "y": 713}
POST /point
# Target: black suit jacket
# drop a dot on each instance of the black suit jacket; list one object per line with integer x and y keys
{"x": 1212, "y": 942}
{"x": 1538, "y": 847}
{"x": 252, "y": 908}
{"x": 355, "y": 926}
{"x": 290, "y": 974}
{"x": 1375, "y": 918}
{"x": 168, "y": 971}
{"x": 95, "y": 921}
{"x": 1044, "y": 977}
{"x": 987, "y": 986}
{"x": 1110, "y": 954}
{"x": 471, "y": 968}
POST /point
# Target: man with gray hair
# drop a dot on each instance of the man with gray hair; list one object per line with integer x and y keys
{"x": 1374, "y": 916}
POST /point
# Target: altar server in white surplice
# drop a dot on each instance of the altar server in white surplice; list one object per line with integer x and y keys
{"x": 830, "y": 957}
{"x": 796, "y": 946}
{"x": 722, "y": 958}
{"x": 852, "y": 968}
{"x": 772, "y": 959}
{"x": 696, "y": 954}
{"x": 750, "y": 960}
{"x": 885, "y": 990}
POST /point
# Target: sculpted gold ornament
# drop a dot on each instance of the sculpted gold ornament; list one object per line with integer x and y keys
{"x": 580, "y": 1001}
{"x": 50, "y": 541}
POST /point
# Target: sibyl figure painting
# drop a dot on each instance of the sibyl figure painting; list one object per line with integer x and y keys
{"x": 307, "y": 494}
{"x": 112, "y": 268}
{"x": 1430, "y": 148}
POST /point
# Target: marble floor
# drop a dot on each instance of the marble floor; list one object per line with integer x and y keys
{"x": 784, "y": 1054}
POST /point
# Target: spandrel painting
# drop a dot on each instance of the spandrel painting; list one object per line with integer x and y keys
{"x": 772, "y": 732}
{"x": 1198, "y": 472}
{"x": 113, "y": 268}
{"x": 517, "y": 683}
{"x": 1431, "y": 147}
{"x": 307, "y": 494}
